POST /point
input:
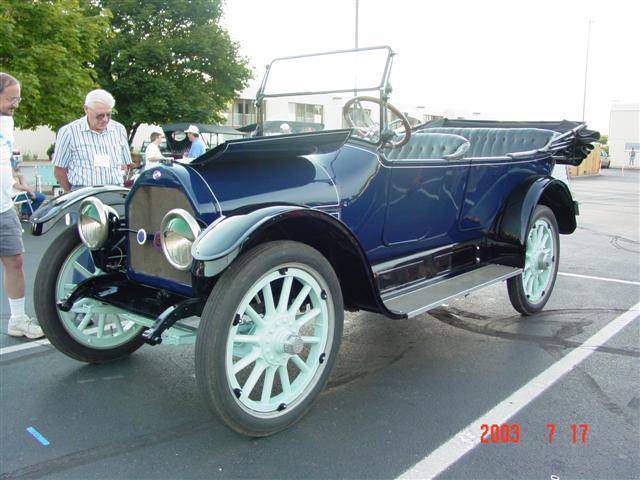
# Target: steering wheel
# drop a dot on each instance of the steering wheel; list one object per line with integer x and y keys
{"x": 371, "y": 131}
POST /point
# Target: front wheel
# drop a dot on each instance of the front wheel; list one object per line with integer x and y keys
{"x": 92, "y": 331}
{"x": 268, "y": 337}
{"x": 530, "y": 291}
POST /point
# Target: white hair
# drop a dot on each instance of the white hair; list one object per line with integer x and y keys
{"x": 99, "y": 96}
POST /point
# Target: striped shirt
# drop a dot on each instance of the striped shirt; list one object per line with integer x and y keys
{"x": 92, "y": 158}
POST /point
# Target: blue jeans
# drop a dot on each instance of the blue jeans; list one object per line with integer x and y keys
{"x": 35, "y": 203}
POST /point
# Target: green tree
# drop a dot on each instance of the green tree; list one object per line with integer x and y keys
{"x": 169, "y": 61}
{"x": 49, "y": 45}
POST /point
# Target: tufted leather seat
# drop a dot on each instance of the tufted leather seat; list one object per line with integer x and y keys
{"x": 497, "y": 142}
{"x": 431, "y": 145}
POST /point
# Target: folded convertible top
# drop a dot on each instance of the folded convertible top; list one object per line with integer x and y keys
{"x": 571, "y": 147}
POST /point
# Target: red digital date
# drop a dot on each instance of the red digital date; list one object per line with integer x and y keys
{"x": 578, "y": 432}
{"x": 505, "y": 433}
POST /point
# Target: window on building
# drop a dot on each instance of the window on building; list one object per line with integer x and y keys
{"x": 243, "y": 112}
{"x": 304, "y": 112}
{"x": 427, "y": 118}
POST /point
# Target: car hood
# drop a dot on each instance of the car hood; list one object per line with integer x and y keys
{"x": 254, "y": 181}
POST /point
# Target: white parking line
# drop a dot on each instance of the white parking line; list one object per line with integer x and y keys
{"x": 23, "y": 346}
{"x": 603, "y": 279}
{"x": 469, "y": 437}
{"x": 35, "y": 343}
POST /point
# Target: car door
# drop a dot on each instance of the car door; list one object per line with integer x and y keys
{"x": 424, "y": 201}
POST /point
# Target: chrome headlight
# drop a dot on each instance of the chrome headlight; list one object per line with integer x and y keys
{"x": 178, "y": 231}
{"x": 93, "y": 224}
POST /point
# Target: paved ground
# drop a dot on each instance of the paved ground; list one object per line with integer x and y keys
{"x": 398, "y": 392}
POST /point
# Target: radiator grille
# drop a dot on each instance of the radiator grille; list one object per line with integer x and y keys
{"x": 147, "y": 207}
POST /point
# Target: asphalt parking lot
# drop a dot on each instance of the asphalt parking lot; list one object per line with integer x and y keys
{"x": 400, "y": 391}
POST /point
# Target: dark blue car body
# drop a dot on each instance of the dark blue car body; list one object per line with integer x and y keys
{"x": 268, "y": 239}
{"x": 384, "y": 224}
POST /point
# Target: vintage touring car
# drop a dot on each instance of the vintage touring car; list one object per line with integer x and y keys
{"x": 254, "y": 250}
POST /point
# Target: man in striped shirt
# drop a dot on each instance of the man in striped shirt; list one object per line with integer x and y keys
{"x": 92, "y": 150}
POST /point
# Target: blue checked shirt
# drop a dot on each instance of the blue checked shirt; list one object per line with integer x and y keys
{"x": 79, "y": 149}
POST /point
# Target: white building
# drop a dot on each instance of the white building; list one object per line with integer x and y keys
{"x": 324, "y": 109}
{"x": 34, "y": 143}
{"x": 624, "y": 133}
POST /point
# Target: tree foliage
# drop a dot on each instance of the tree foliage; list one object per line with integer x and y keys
{"x": 48, "y": 45}
{"x": 169, "y": 61}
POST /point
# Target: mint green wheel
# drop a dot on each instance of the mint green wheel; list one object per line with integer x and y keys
{"x": 92, "y": 331}
{"x": 268, "y": 337}
{"x": 530, "y": 291}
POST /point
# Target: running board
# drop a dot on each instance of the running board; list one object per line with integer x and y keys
{"x": 421, "y": 299}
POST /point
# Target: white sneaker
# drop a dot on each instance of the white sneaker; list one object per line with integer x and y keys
{"x": 24, "y": 326}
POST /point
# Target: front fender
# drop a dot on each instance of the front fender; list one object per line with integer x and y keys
{"x": 225, "y": 236}
{"x": 53, "y": 210}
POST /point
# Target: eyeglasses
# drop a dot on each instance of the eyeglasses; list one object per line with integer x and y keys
{"x": 101, "y": 116}
{"x": 14, "y": 100}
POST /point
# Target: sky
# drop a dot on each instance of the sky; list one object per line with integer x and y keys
{"x": 509, "y": 60}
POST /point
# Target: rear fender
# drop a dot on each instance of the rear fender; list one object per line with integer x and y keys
{"x": 50, "y": 213}
{"x": 228, "y": 237}
{"x": 512, "y": 224}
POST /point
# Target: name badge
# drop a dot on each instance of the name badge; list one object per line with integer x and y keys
{"x": 100, "y": 160}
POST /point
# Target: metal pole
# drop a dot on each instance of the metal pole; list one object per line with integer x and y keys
{"x": 586, "y": 69}
{"x": 357, "y": 5}
{"x": 355, "y": 91}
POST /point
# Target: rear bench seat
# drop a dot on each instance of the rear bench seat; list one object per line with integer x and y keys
{"x": 497, "y": 142}
{"x": 456, "y": 143}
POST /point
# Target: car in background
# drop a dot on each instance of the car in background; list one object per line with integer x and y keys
{"x": 275, "y": 127}
{"x": 212, "y": 135}
{"x": 164, "y": 149}
{"x": 605, "y": 159}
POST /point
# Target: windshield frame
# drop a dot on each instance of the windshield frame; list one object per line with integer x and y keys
{"x": 383, "y": 87}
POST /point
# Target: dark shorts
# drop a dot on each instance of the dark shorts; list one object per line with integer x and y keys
{"x": 10, "y": 234}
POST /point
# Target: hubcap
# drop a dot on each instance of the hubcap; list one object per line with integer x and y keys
{"x": 293, "y": 344}
{"x": 539, "y": 261}
{"x": 273, "y": 355}
{"x": 544, "y": 261}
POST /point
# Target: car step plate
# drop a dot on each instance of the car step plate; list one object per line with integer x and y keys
{"x": 422, "y": 299}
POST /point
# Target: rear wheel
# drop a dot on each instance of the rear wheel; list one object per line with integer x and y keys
{"x": 530, "y": 291}
{"x": 268, "y": 337}
{"x": 91, "y": 331}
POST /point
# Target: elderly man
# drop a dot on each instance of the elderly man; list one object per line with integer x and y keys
{"x": 197, "y": 145}
{"x": 92, "y": 150}
{"x": 11, "y": 247}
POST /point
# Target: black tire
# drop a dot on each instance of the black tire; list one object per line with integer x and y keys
{"x": 515, "y": 285}
{"x": 47, "y": 312}
{"x": 217, "y": 322}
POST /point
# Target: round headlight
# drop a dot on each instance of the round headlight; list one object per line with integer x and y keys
{"x": 177, "y": 234}
{"x": 93, "y": 224}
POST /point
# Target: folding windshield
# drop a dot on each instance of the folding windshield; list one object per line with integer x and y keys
{"x": 333, "y": 72}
